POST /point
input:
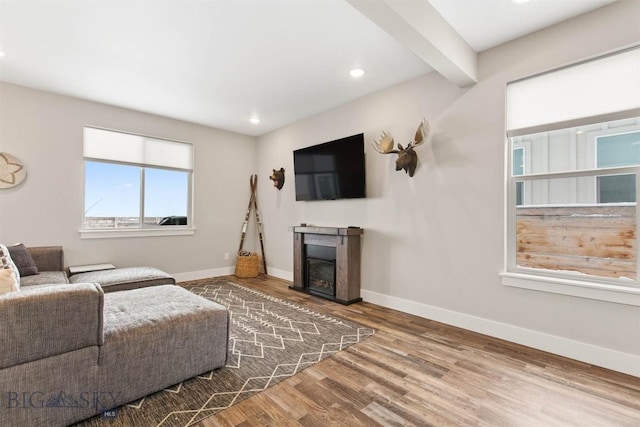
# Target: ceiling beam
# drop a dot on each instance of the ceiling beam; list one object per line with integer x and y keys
{"x": 421, "y": 29}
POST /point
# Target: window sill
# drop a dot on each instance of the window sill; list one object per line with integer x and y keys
{"x": 619, "y": 294}
{"x": 137, "y": 232}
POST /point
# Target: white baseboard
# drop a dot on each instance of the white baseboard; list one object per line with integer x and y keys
{"x": 227, "y": 271}
{"x": 595, "y": 355}
{"x": 203, "y": 274}
{"x": 280, "y": 274}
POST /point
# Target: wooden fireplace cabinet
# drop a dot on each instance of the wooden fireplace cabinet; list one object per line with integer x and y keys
{"x": 347, "y": 244}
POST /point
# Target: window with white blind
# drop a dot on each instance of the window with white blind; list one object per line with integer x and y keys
{"x": 572, "y": 186}
{"x": 136, "y": 185}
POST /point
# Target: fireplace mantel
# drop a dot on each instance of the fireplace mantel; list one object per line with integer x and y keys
{"x": 346, "y": 240}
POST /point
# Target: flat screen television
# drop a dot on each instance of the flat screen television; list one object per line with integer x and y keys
{"x": 330, "y": 171}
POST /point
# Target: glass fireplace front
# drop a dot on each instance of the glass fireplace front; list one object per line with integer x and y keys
{"x": 321, "y": 270}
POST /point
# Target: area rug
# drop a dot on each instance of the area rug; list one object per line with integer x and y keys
{"x": 270, "y": 339}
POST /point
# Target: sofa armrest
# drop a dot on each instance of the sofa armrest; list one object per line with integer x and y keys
{"x": 49, "y": 320}
{"x": 48, "y": 258}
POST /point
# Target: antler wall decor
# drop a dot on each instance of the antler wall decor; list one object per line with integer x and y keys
{"x": 407, "y": 157}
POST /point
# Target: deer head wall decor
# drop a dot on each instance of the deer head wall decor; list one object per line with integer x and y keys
{"x": 407, "y": 157}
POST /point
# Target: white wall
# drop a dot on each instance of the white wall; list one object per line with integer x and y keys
{"x": 433, "y": 244}
{"x": 44, "y": 130}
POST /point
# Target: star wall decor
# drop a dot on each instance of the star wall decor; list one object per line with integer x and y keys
{"x": 12, "y": 171}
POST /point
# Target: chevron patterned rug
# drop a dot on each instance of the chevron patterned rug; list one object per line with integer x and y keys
{"x": 270, "y": 339}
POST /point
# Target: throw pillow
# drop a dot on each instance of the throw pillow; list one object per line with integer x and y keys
{"x": 7, "y": 282}
{"x": 7, "y": 264}
{"x": 23, "y": 260}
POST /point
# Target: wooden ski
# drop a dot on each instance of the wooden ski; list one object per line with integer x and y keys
{"x": 246, "y": 217}
{"x": 253, "y": 203}
{"x": 259, "y": 223}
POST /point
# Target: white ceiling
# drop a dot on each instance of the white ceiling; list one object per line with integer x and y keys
{"x": 488, "y": 23}
{"x": 219, "y": 62}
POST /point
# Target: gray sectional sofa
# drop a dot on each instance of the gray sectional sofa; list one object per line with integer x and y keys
{"x": 69, "y": 351}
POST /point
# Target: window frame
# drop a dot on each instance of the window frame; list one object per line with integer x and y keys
{"x": 142, "y": 230}
{"x": 526, "y": 113}
{"x": 622, "y": 291}
{"x": 525, "y": 146}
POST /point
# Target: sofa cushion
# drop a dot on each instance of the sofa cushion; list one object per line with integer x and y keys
{"x": 123, "y": 279}
{"x": 7, "y": 282}
{"x": 73, "y": 373}
{"x": 23, "y": 260}
{"x": 45, "y": 278}
{"x": 6, "y": 263}
{"x": 165, "y": 334}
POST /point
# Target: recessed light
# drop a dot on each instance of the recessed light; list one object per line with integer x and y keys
{"x": 254, "y": 120}
{"x": 519, "y": 1}
{"x": 356, "y": 73}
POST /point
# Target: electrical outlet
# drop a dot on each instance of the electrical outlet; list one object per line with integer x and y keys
{"x": 226, "y": 255}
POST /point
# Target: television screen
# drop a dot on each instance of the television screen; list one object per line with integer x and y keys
{"x": 330, "y": 171}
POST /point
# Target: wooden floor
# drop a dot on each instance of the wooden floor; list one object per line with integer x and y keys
{"x": 414, "y": 371}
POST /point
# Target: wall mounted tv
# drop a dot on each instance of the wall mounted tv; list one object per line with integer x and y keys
{"x": 330, "y": 171}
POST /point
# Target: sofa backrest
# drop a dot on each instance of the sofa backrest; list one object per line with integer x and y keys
{"x": 43, "y": 321}
{"x": 48, "y": 258}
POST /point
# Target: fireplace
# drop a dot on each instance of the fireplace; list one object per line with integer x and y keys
{"x": 321, "y": 270}
{"x": 326, "y": 262}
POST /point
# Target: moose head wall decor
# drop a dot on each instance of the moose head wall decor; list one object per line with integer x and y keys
{"x": 407, "y": 157}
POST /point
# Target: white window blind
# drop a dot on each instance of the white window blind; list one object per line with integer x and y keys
{"x": 101, "y": 144}
{"x": 598, "y": 87}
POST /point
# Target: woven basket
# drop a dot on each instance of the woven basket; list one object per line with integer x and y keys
{"x": 247, "y": 266}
